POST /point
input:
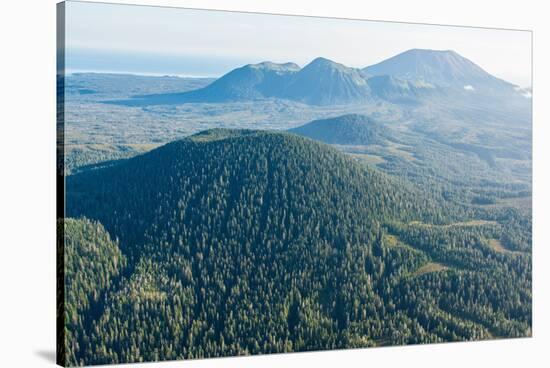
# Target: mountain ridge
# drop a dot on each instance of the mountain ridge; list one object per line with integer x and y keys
{"x": 410, "y": 76}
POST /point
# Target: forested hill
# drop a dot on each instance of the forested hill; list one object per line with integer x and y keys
{"x": 263, "y": 183}
{"x": 218, "y": 176}
{"x": 351, "y": 129}
{"x": 248, "y": 242}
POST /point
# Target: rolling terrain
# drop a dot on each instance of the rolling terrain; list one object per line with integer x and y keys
{"x": 431, "y": 95}
{"x": 240, "y": 242}
{"x": 281, "y": 208}
{"x": 411, "y": 77}
{"x": 457, "y": 171}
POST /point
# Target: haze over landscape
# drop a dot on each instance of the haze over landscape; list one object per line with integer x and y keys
{"x": 310, "y": 184}
{"x": 141, "y": 39}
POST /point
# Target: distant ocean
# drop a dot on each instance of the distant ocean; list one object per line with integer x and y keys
{"x": 136, "y": 72}
{"x": 149, "y": 64}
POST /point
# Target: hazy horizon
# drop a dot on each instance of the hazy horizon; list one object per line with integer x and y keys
{"x": 149, "y": 40}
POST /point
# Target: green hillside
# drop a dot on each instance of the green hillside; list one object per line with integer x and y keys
{"x": 249, "y": 242}
{"x": 352, "y": 129}
{"x": 93, "y": 262}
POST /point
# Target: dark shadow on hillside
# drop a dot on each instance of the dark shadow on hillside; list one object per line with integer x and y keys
{"x": 99, "y": 165}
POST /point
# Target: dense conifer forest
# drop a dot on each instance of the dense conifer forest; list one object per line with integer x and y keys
{"x": 236, "y": 242}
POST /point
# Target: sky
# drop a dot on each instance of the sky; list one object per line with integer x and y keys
{"x": 159, "y": 41}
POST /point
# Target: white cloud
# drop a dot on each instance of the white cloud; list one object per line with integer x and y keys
{"x": 469, "y": 87}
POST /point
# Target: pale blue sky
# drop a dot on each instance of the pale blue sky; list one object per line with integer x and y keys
{"x": 140, "y": 39}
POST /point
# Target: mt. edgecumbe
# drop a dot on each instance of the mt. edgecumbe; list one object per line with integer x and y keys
{"x": 436, "y": 67}
{"x": 411, "y": 76}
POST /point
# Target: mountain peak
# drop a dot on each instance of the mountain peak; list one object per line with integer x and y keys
{"x": 321, "y": 63}
{"x": 278, "y": 67}
{"x": 325, "y": 82}
{"x": 439, "y": 67}
{"x": 322, "y": 60}
{"x": 430, "y": 51}
{"x": 434, "y": 54}
{"x": 403, "y": 78}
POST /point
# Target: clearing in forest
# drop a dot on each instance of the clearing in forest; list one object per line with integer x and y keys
{"x": 428, "y": 268}
{"x": 497, "y": 246}
{"x": 457, "y": 224}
